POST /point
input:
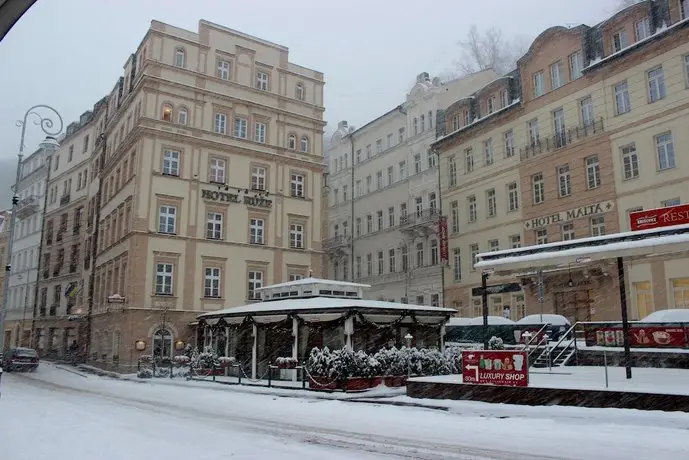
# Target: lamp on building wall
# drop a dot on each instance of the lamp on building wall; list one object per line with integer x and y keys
{"x": 179, "y": 345}
{"x": 140, "y": 345}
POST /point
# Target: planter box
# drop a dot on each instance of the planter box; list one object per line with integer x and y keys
{"x": 209, "y": 372}
{"x": 287, "y": 366}
{"x": 322, "y": 383}
{"x": 395, "y": 381}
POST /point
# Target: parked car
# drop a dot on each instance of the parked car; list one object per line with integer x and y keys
{"x": 20, "y": 359}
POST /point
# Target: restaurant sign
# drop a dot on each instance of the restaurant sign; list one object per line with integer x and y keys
{"x": 660, "y": 217}
{"x": 566, "y": 216}
{"x": 227, "y": 197}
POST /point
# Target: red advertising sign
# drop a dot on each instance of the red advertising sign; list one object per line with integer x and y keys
{"x": 659, "y": 217}
{"x": 442, "y": 233}
{"x": 639, "y": 337}
{"x": 491, "y": 367}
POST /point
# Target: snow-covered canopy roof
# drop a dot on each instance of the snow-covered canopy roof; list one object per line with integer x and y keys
{"x": 326, "y": 305}
{"x": 676, "y": 315}
{"x": 312, "y": 280}
{"x": 555, "y": 320}
{"x": 458, "y": 322}
{"x": 492, "y": 321}
{"x": 584, "y": 251}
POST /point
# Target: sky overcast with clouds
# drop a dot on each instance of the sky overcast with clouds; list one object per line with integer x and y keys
{"x": 69, "y": 53}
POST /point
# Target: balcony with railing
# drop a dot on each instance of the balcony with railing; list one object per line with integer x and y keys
{"x": 561, "y": 140}
{"x": 423, "y": 217}
{"x": 27, "y": 207}
{"x": 64, "y": 199}
{"x": 337, "y": 244}
{"x": 53, "y": 309}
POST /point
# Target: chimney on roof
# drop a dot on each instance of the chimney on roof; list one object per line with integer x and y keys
{"x": 423, "y": 77}
{"x": 342, "y": 125}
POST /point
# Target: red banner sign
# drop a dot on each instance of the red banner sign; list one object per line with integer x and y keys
{"x": 659, "y": 217}
{"x": 491, "y": 367}
{"x": 639, "y": 337}
{"x": 442, "y": 233}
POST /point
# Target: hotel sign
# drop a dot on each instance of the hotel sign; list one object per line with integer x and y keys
{"x": 567, "y": 216}
{"x": 227, "y": 197}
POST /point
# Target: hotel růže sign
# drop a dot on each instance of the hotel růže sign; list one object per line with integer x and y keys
{"x": 229, "y": 197}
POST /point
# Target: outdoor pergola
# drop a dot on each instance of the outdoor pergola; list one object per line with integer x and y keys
{"x": 552, "y": 257}
{"x": 296, "y": 316}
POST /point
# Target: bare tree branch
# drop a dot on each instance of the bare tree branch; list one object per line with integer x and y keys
{"x": 488, "y": 50}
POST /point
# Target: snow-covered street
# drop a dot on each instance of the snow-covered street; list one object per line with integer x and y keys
{"x": 58, "y": 414}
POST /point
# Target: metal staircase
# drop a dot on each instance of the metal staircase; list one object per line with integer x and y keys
{"x": 560, "y": 354}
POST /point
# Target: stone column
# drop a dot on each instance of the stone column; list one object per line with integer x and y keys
{"x": 349, "y": 331}
{"x": 254, "y": 352}
{"x": 295, "y": 344}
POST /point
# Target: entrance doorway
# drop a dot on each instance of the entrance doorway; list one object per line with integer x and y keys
{"x": 574, "y": 305}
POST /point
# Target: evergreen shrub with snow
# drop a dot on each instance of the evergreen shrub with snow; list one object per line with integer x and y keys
{"x": 496, "y": 343}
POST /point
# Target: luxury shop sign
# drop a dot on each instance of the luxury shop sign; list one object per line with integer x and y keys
{"x": 227, "y": 197}
{"x": 566, "y": 216}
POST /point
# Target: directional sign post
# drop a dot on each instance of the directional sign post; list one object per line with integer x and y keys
{"x": 497, "y": 289}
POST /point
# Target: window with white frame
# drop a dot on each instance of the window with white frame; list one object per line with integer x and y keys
{"x": 491, "y": 203}
{"x": 295, "y": 277}
{"x": 432, "y": 202}
{"x": 418, "y": 203}
{"x": 538, "y": 188}
{"x": 255, "y": 278}
{"x": 642, "y": 29}
{"x": 564, "y": 179}
{"x": 515, "y": 241}
{"x": 556, "y": 79}
{"x": 403, "y": 169}
{"x": 256, "y": 231}
{"x": 619, "y": 41}
{"x": 379, "y": 220}
{"x": 299, "y": 91}
{"x": 417, "y": 163}
{"x": 568, "y": 231}
{"x": 217, "y": 173}
{"x": 391, "y": 216}
{"x": 211, "y": 282}
{"x": 670, "y": 202}
{"x": 262, "y": 81}
{"x": 452, "y": 171}
{"x": 454, "y": 217}
{"x": 559, "y": 125}
{"x": 240, "y": 128}
{"x": 488, "y": 152}
{"x": 435, "y": 254}
{"x": 164, "y": 274}
{"x": 260, "y": 132}
{"x": 473, "y": 208}
{"x": 214, "y": 225}
{"x": 656, "y": 84}
{"x": 419, "y": 255}
{"x": 592, "y": 172}
{"x": 358, "y": 227}
{"x": 292, "y": 142}
{"x": 680, "y": 291}
{"x": 494, "y": 245}
{"x": 369, "y": 223}
{"x": 304, "y": 144}
{"x": 469, "y": 160}
{"x": 534, "y": 132}
{"x": 171, "y": 163}
{"x": 508, "y": 137}
{"x": 296, "y": 236}
{"x": 622, "y": 101}
{"x": 575, "y": 65}
{"x": 180, "y": 56}
{"x": 369, "y": 264}
{"x": 512, "y": 196}
{"x": 403, "y": 211}
{"x": 665, "y": 151}
{"x": 473, "y": 249}
{"x": 542, "y": 236}
{"x": 597, "y": 226}
{"x": 392, "y": 264}
{"x": 182, "y": 116}
{"x": 586, "y": 112}
{"x": 379, "y": 180}
{"x": 538, "y": 84}
{"x": 630, "y": 162}
{"x": 167, "y": 219}
{"x": 504, "y": 98}
{"x": 258, "y": 178}
{"x": 455, "y": 123}
{"x": 457, "y": 264}
{"x": 432, "y": 159}
{"x": 490, "y": 104}
{"x": 381, "y": 263}
{"x": 391, "y": 175}
{"x": 220, "y": 125}
{"x": 379, "y": 146}
{"x": 357, "y": 267}
{"x": 684, "y": 8}
{"x": 297, "y": 185}
{"x": 223, "y": 70}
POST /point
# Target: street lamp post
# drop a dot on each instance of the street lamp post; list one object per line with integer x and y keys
{"x": 49, "y": 144}
{"x": 408, "y": 338}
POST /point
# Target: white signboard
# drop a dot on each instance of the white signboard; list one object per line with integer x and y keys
{"x": 566, "y": 216}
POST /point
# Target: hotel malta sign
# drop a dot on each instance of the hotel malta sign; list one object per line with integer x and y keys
{"x": 569, "y": 215}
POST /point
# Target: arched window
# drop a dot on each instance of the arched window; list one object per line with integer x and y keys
{"x": 415, "y": 126}
{"x": 182, "y": 116}
{"x": 423, "y": 123}
{"x": 180, "y": 57}
{"x": 162, "y": 343}
{"x": 292, "y": 142}
{"x": 304, "y": 144}
{"x": 167, "y": 112}
{"x": 299, "y": 92}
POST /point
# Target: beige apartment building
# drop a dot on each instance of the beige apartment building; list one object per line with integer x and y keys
{"x": 564, "y": 147}
{"x": 5, "y": 222}
{"x": 60, "y": 304}
{"x": 209, "y": 185}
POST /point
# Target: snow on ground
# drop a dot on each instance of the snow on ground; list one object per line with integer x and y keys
{"x": 644, "y": 379}
{"x": 64, "y": 415}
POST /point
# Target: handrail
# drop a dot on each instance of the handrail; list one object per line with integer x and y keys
{"x": 573, "y": 340}
{"x": 535, "y": 336}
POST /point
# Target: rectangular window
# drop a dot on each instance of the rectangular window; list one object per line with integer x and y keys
{"x": 512, "y": 196}
{"x": 419, "y": 255}
{"x": 665, "y": 151}
{"x": 435, "y": 255}
{"x": 369, "y": 264}
{"x": 171, "y": 163}
{"x": 357, "y": 267}
{"x": 432, "y": 159}
{"x": 417, "y": 163}
{"x": 538, "y": 86}
{"x": 297, "y": 185}
{"x": 494, "y": 245}
{"x": 255, "y": 278}
{"x": 575, "y": 65}
{"x": 257, "y": 231}
{"x": 490, "y": 104}
{"x": 167, "y": 219}
{"x": 403, "y": 169}
{"x": 538, "y": 188}
{"x": 452, "y": 171}
{"x": 508, "y": 136}
{"x": 220, "y": 125}
{"x": 619, "y": 41}
{"x": 564, "y": 178}
{"x": 472, "y": 207}
{"x": 391, "y": 175}
{"x": 262, "y": 81}
{"x": 217, "y": 173}
{"x": 260, "y": 133}
{"x": 358, "y": 227}
{"x": 369, "y": 223}
{"x": 592, "y": 172}
{"x": 214, "y": 226}
{"x": 454, "y": 217}
{"x": 223, "y": 70}
{"x": 456, "y": 265}
{"x": 534, "y": 132}
{"x": 642, "y": 29}
{"x": 630, "y": 162}
{"x": 622, "y": 102}
{"x": 379, "y": 146}
{"x": 586, "y": 112}
{"x": 488, "y": 152}
{"x": 381, "y": 263}
{"x": 368, "y": 152}
{"x": 468, "y": 160}
{"x": 515, "y": 241}
{"x": 296, "y": 236}
{"x": 473, "y": 249}
{"x": 542, "y": 236}
{"x": 491, "y": 203}
{"x": 240, "y": 127}
{"x": 455, "y": 123}
{"x": 560, "y": 129}
{"x": 391, "y": 261}
{"x": 391, "y": 216}
{"x": 211, "y": 282}
{"x": 390, "y": 141}
{"x": 597, "y": 226}
{"x": 164, "y": 274}
{"x": 379, "y": 220}
{"x": 379, "y": 180}
{"x": 504, "y": 98}
{"x": 556, "y": 79}
{"x": 568, "y": 231}
{"x": 656, "y": 84}
{"x": 258, "y": 178}
{"x": 670, "y": 202}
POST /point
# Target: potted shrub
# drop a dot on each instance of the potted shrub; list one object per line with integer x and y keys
{"x": 227, "y": 361}
{"x": 286, "y": 362}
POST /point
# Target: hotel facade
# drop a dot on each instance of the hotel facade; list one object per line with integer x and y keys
{"x": 582, "y": 133}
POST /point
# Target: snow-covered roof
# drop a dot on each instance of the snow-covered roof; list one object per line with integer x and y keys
{"x": 323, "y": 303}
{"x": 673, "y": 315}
{"x": 555, "y": 320}
{"x": 492, "y": 321}
{"x": 583, "y": 251}
{"x": 458, "y": 322}
{"x": 312, "y": 280}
